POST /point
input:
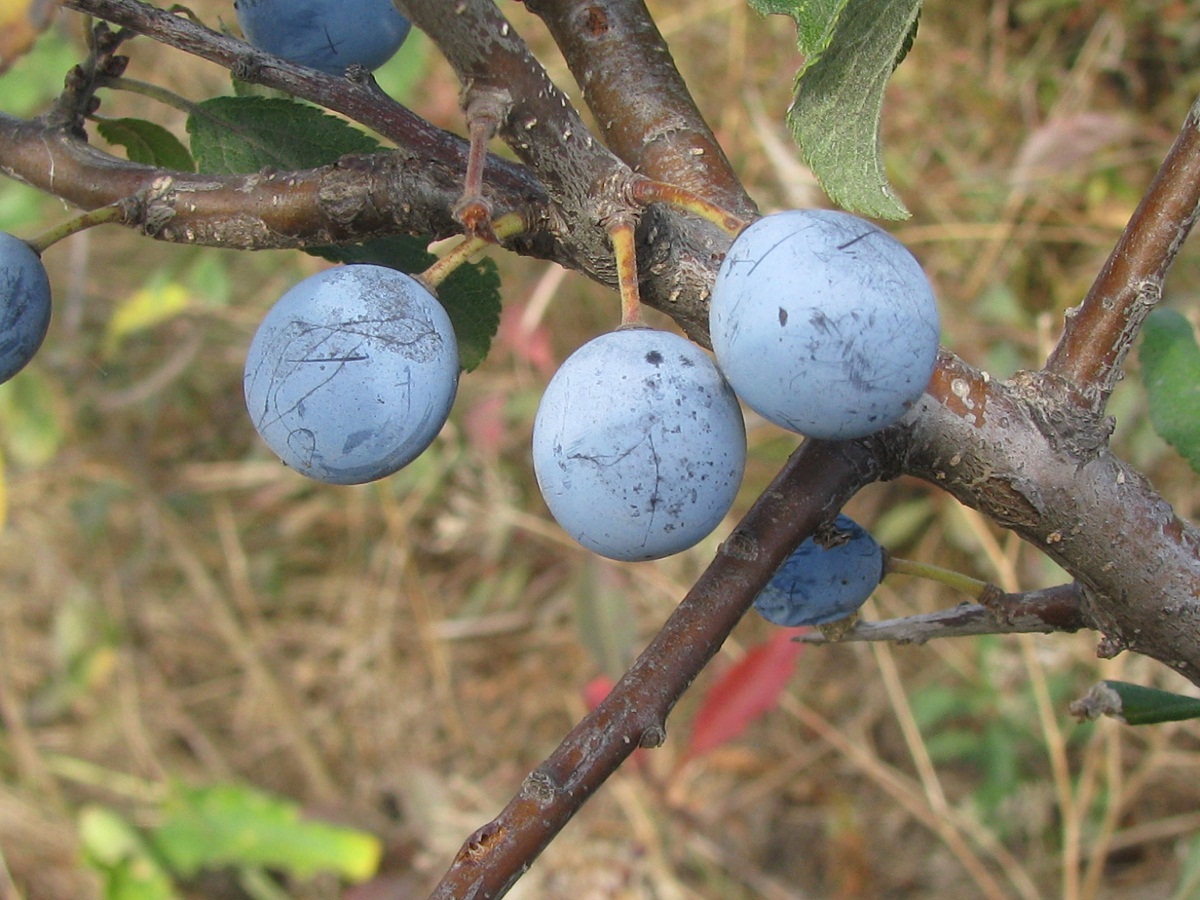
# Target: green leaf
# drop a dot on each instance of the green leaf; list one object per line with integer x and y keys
{"x": 815, "y": 20}
{"x": 240, "y": 135}
{"x": 32, "y": 421}
{"x": 116, "y": 850}
{"x": 232, "y": 825}
{"x": 604, "y": 618}
{"x": 148, "y": 142}
{"x": 471, "y": 294}
{"x": 1170, "y": 361}
{"x": 851, "y": 48}
{"x": 1137, "y": 705}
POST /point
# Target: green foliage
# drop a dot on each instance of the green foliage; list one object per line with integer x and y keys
{"x": 245, "y": 134}
{"x": 1138, "y": 705}
{"x": 147, "y": 142}
{"x": 1170, "y": 361}
{"x": 228, "y": 824}
{"x": 471, "y": 293}
{"x": 851, "y": 48}
{"x": 217, "y": 826}
{"x": 241, "y": 135}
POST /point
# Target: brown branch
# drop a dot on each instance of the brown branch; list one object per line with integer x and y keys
{"x": 360, "y": 100}
{"x": 1034, "y": 612}
{"x": 1043, "y": 469}
{"x": 813, "y": 485}
{"x": 1098, "y": 334}
{"x": 644, "y": 109}
{"x": 356, "y": 198}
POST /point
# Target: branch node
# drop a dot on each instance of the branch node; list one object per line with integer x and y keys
{"x": 654, "y": 736}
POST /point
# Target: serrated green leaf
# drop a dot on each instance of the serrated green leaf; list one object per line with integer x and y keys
{"x": 240, "y": 135}
{"x": 1149, "y": 706}
{"x": 815, "y": 20}
{"x": 399, "y": 251}
{"x": 1170, "y": 361}
{"x": 226, "y": 824}
{"x": 471, "y": 294}
{"x": 148, "y": 143}
{"x": 836, "y": 114}
{"x": 851, "y": 48}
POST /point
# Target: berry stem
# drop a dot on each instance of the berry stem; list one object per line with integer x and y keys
{"x": 485, "y": 110}
{"x": 114, "y": 212}
{"x": 646, "y": 191}
{"x": 972, "y": 587}
{"x": 506, "y": 226}
{"x": 624, "y": 245}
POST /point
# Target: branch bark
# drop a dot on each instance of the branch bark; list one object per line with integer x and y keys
{"x": 642, "y": 105}
{"x": 1034, "y": 612}
{"x": 811, "y": 488}
{"x": 1098, "y": 334}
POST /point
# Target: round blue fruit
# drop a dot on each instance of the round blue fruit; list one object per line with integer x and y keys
{"x": 24, "y": 304}
{"x": 819, "y": 584}
{"x": 324, "y": 34}
{"x": 638, "y": 444}
{"x": 824, "y": 323}
{"x": 352, "y": 373}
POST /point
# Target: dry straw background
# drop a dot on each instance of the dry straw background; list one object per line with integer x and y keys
{"x": 174, "y": 604}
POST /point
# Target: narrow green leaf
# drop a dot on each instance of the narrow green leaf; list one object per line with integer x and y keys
{"x": 232, "y": 825}
{"x": 851, "y": 48}
{"x": 1170, "y": 361}
{"x": 240, "y": 135}
{"x": 148, "y": 143}
{"x": 1148, "y": 706}
{"x": 471, "y": 294}
{"x": 838, "y": 107}
{"x": 604, "y": 618}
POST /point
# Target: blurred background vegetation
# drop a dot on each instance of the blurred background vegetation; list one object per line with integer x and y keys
{"x": 176, "y": 607}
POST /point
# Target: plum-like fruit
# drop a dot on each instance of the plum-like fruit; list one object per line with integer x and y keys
{"x": 824, "y": 323}
{"x": 352, "y": 373}
{"x": 819, "y": 584}
{"x": 324, "y": 34}
{"x": 638, "y": 444}
{"x": 24, "y": 304}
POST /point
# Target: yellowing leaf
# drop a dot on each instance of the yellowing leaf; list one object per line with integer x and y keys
{"x": 143, "y": 310}
{"x": 20, "y": 23}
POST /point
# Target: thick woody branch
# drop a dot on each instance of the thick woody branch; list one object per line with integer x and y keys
{"x": 354, "y": 199}
{"x": 1044, "y": 469}
{"x": 1099, "y": 333}
{"x": 813, "y": 485}
{"x": 587, "y": 183}
{"x": 644, "y": 109}
{"x": 359, "y": 99}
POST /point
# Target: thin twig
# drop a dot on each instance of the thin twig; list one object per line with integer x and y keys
{"x": 1034, "y": 612}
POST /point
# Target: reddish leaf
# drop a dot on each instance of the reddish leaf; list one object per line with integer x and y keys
{"x": 744, "y": 692}
{"x": 596, "y": 690}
